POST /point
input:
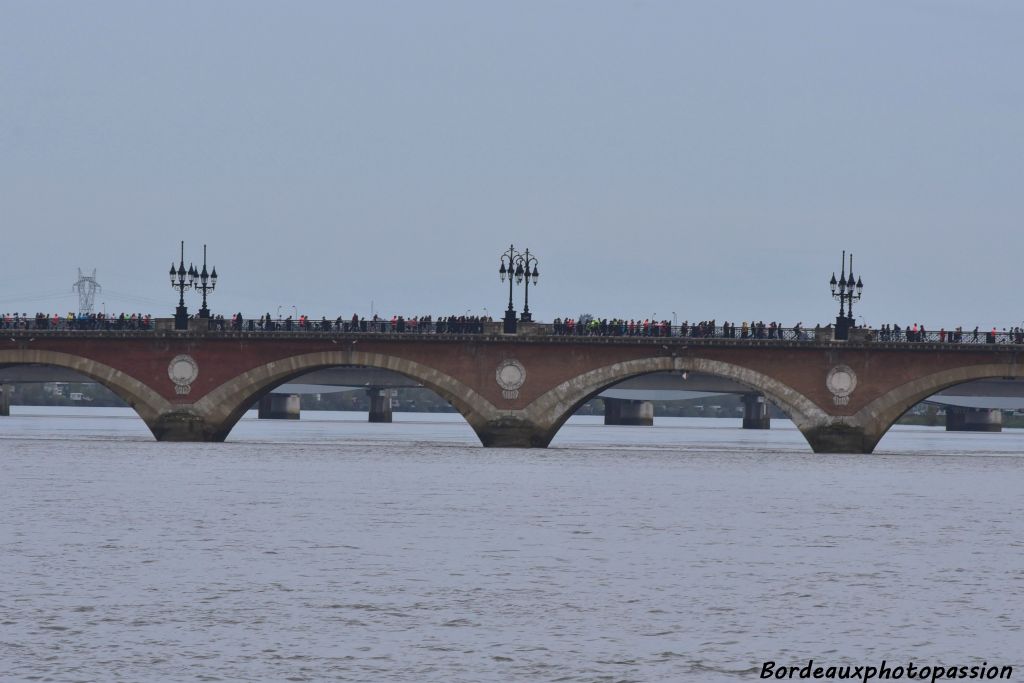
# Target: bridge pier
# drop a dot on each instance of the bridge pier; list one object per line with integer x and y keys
{"x": 960, "y": 419}
{"x": 5, "y": 401}
{"x": 279, "y": 407}
{"x": 841, "y": 437}
{"x": 511, "y": 431}
{"x": 624, "y": 411}
{"x": 380, "y": 404}
{"x": 755, "y": 412}
{"x": 187, "y": 425}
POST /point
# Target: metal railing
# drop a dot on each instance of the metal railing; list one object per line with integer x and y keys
{"x": 942, "y": 336}
{"x": 92, "y": 324}
{"x": 775, "y": 333}
{"x": 563, "y": 329}
{"x": 613, "y": 329}
{"x": 354, "y": 326}
{"x": 477, "y": 326}
{"x": 624, "y": 328}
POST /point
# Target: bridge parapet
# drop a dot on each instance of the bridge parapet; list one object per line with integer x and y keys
{"x": 538, "y": 335}
{"x": 527, "y": 330}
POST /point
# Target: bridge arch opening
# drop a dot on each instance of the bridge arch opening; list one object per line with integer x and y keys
{"x": 881, "y": 414}
{"x": 557, "y": 405}
{"x": 146, "y": 403}
{"x": 224, "y": 406}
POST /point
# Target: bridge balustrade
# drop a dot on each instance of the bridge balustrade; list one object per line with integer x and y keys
{"x": 461, "y": 326}
{"x": 50, "y": 323}
{"x": 618, "y": 328}
{"x": 350, "y": 326}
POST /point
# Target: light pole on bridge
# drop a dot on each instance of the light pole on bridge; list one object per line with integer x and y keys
{"x": 517, "y": 266}
{"x": 181, "y": 280}
{"x": 847, "y": 290}
{"x": 527, "y": 261}
{"x": 207, "y": 282}
{"x": 509, "y": 260}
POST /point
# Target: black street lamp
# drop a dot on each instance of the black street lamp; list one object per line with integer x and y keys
{"x": 847, "y": 290}
{"x": 181, "y": 280}
{"x": 207, "y": 282}
{"x": 509, "y": 262}
{"x": 526, "y": 262}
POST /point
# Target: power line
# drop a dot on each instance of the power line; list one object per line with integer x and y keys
{"x": 45, "y": 296}
{"x": 133, "y": 298}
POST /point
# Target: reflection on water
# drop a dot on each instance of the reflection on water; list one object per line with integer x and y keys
{"x": 330, "y": 548}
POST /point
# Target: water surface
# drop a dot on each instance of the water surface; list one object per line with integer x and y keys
{"x": 333, "y": 549}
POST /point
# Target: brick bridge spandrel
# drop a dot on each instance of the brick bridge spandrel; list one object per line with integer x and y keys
{"x": 513, "y": 391}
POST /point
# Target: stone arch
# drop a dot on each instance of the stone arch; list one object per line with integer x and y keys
{"x": 881, "y": 414}
{"x": 148, "y": 404}
{"x": 224, "y": 406}
{"x": 551, "y": 410}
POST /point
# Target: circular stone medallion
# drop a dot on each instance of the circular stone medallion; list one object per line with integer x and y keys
{"x": 510, "y": 375}
{"x": 841, "y": 381}
{"x": 183, "y": 370}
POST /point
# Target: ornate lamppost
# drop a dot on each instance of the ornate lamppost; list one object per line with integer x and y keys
{"x": 527, "y": 261}
{"x": 181, "y": 280}
{"x": 512, "y": 267}
{"x": 207, "y": 282}
{"x": 846, "y": 290}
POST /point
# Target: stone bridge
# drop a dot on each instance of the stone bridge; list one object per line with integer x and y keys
{"x": 514, "y": 391}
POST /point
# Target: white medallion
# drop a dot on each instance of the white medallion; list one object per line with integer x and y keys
{"x": 183, "y": 370}
{"x": 510, "y": 375}
{"x": 841, "y": 381}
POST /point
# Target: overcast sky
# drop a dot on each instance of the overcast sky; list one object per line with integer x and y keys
{"x": 707, "y": 160}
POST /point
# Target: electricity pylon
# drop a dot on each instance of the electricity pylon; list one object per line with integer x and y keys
{"x": 86, "y": 288}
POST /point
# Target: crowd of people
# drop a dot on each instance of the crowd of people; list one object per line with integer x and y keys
{"x": 918, "y": 333}
{"x": 71, "y": 321}
{"x": 620, "y": 327}
{"x": 473, "y": 324}
{"x": 426, "y": 324}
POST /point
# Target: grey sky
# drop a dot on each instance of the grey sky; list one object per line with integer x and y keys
{"x": 708, "y": 159}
